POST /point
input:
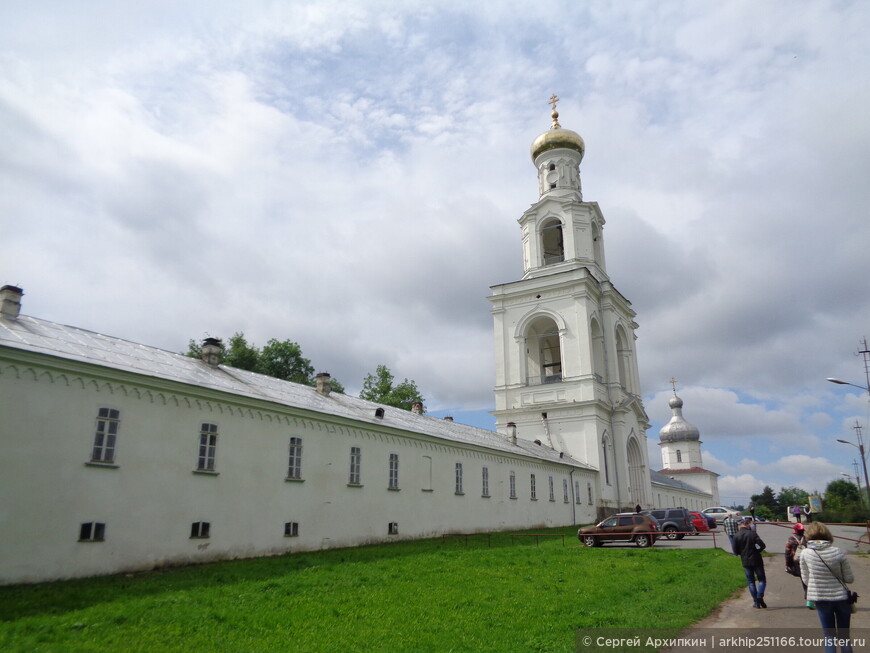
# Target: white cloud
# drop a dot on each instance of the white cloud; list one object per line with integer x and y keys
{"x": 349, "y": 176}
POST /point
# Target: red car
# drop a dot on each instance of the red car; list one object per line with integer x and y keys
{"x": 699, "y": 522}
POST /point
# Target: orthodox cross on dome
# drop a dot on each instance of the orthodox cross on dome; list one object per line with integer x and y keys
{"x": 552, "y": 102}
{"x": 674, "y": 385}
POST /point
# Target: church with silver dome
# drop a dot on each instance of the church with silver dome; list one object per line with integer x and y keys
{"x": 680, "y": 442}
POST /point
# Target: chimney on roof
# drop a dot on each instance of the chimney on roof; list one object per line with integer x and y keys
{"x": 323, "y": 383}
{"x": 211, "y": 352}
{"x": 512, "y": 432}
{"x": 417, "y": 408}
{"x": 448, "y": 418}
{"x": 10, "y": 301}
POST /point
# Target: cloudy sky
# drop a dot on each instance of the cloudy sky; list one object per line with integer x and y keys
{"x": 348, "y": 175}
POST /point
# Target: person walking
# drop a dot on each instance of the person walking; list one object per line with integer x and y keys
{"x": 797, "y": 512}
{"x": 748, "y": 545}
{"x": 729, "y": 525}
{"x": 794, "y": 547}
{"x": 825, "y": 570}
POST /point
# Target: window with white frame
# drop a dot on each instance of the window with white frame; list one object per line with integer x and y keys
{"x": 393, "y": 528}
{"x": 200, "y": 530}
{"x": 459, "y": 478}
{"x": 576, "y": 491}
{"x": 565, "y": 490}
{"x": 512, "y": 481}
{"x": 589, "y": 492}
{"x": 426, "y": 476}
{"x": 294, "y": 459}
{"x": 207, "y": 447}
{"x": 533, "y": 488}
{"x": 484, "y": 480}
{"x": 291, "y": 529}
{"x": 552, "y": 490}
{"x": 394, "y": 472}
{"x": 679, "y": 456}
{"x": 108, "y": 420}
{"x": 92, "y": 531}
{"x": 355, "y": 466}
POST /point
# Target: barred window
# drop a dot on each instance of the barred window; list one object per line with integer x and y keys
{"x": 533, "y": 488}
{"x": 484, "y": 474}
{"x": 565, "y": 490}
{"x": 291, "y": 529}
{"x": 552, "y": 490}
{"x": 108, "y": 420}
{"x": 294, "y": 462}
{"x": 355, "y": 466}
{"x": 207, "y": 447}
{"x": 589, "y": 492}
{"x": 92, "y": 532}
{"x": 394, "y": 471}
{"x": 512, "y": 479}
{"x": 200, "y": 529}
{"x": 459, "y": 478}
{"x": 576, "y": 491}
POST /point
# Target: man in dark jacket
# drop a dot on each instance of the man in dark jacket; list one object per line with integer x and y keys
{"x": 749, "y": 546}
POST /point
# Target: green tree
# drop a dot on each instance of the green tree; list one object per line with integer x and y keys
{"x": 840, "y": 495}
{"x": 241, "y": 355}
{"x": 766, "y": 499}
{"x": 378, "y": 387}
{"x": 280, "y": 359}
{"x": 284, "y": 360}
{"x": 791, "y": 496}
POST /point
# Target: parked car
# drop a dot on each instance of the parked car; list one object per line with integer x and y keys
{"x": 700, "y": 522}
{"x": 622, "y": 527}
{"x": 719, "y": 513}
{"x": 674, "y": 522}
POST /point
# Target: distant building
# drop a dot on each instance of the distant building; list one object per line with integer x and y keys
{"x": 681, "y": 453}
{"x": 118, "y": 456}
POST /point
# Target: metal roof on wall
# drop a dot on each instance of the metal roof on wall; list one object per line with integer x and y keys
{"x": 74, "y": 344}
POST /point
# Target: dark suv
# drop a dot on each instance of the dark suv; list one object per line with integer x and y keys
{"x": 674, "y": 522}
{"x": 622, "y": 527}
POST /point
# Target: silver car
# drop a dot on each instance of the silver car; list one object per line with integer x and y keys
{"x": 719, "y": 513}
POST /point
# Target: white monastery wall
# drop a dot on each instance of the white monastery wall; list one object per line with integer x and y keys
{"x": 152, "y": 494}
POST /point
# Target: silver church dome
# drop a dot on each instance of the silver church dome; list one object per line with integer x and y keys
{"x": 678, "y": 429}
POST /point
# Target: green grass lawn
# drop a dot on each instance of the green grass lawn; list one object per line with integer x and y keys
{"x": 431, "y": 595}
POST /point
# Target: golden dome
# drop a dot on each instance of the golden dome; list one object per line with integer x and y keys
{"x": 557, "y": 137}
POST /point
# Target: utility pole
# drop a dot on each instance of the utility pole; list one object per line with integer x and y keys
{"x": 858, "y": 428}
{"x": 865, "y": 353}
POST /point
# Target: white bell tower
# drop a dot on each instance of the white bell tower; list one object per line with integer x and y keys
{"x": 566, "y": 369}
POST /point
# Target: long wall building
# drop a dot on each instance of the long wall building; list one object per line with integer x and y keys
{"x": 118, "y": 456}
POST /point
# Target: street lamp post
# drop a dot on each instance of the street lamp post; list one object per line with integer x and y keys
{"x": 865, "y": 352}
{"x": 860, "y": 447}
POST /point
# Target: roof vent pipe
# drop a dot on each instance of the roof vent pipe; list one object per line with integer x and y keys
{"x": 10, "y": 301}
{"x": 512, "y": 432}
{"x": 323, "y": 383}
{"x": 211, "y": 352}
